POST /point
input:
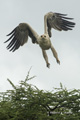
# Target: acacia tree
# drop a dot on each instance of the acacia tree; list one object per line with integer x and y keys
{"x": 27, "y": 102}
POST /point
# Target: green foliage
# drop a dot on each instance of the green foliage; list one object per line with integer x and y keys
{"x": 27, "y": 102}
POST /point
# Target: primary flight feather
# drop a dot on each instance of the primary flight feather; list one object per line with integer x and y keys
{"x": 19, "y": 36}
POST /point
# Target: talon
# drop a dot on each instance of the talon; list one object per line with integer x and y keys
{"x": 48, "y": 65}
{"x": 58, "y": 62}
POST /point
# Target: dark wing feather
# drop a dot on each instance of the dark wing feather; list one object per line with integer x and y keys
{"x": 59, "y": 22}
{"x": 19, "y": 36}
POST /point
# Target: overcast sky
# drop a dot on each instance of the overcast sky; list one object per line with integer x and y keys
{"x": 67, "y": 44}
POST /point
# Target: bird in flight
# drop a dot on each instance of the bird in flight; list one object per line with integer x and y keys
{"x": 19, "y": 35}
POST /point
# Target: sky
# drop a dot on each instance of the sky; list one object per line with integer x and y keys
{"x": 15, "y": 66}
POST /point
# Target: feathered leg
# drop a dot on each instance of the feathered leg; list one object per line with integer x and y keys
{"x": 46, "y": 58}
{"x": 55, "y": 54}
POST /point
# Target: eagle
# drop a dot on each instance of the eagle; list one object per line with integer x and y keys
{"x": 19, "y": 35}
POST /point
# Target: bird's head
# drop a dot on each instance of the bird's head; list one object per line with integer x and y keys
{"x": 44, "y": 37}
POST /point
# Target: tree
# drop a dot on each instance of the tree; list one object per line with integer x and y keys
{"x": 27, "y": 102}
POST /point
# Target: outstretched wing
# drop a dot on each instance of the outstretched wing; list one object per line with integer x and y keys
{"x": 19, "y": 36}
{"x": 57, "y": 21}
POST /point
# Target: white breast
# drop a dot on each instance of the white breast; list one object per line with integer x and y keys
{"x": 44, "y": 43}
